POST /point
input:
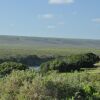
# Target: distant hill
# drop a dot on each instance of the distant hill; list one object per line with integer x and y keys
{"x": 48, "y": 42}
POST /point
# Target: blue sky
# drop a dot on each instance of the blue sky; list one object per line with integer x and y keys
{"x": 50, "y": 18}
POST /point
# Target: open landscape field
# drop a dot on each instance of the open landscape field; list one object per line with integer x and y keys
{"x": 49, "y": 49}
{"x": 16, "y": 45}
{"x": 34, "y": 68}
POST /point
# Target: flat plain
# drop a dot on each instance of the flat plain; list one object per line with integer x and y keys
{"x": 19, "y": 45}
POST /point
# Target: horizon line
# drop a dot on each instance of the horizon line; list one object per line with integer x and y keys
{"x": 30, "y": 36}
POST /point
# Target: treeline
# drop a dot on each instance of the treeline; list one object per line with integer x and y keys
{"x": 60, "y": 64}
{"x": 71, "y": 63}
{"x": 29, "y": 60}
{"x": 8, "y": 64}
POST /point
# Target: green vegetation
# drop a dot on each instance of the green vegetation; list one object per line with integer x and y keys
{"x": 29, "y": 85}
{"x": 68, "y": 71}
{"x": 54, "y": 81}
{"x": 83, "y": 60}
{"x": 97, "y": 64}
{"x": 29, "y": 60}
{"x": 71, "y": 63}
{"x": 21, "y": 50}
{"x": 14, "y": 45}
{"x": 7, "y": 67}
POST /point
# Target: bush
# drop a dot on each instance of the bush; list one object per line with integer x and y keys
{"x": 28, "y": 85}
{"x": 59, "y": 65}
{"x": 7, "y": 67}
{"x": 83, "y": 60}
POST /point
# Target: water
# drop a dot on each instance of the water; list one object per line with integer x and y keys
{"x": 35, "y": 67}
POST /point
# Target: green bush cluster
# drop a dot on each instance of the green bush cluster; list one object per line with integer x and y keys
{"x": 29, "y": 85}
{"x": 71, "y": 63}
{"x": 53, "y": 65}
{"x": 83, "y": 60}
{"x": 7, "y": 67}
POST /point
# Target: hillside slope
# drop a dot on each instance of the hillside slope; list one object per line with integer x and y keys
{"x": 48, "y": 42}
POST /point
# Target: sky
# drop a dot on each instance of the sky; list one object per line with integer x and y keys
{"x": 51, "y": 18}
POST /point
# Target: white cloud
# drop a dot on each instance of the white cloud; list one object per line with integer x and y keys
{"x": 46, "y": 16}
{"x": 96, "y": 20}
{"x": 61, "y": 1}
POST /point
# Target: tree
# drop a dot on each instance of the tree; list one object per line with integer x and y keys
{"x": 83, "y": 60}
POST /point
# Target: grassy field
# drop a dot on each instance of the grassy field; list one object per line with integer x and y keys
{"x": 15, "y": 45}
{"x": 26, "y": 50}
{"x": 92, "y": 70}
{"x": 97, "y": 70}
{"x": 97, "y": 64}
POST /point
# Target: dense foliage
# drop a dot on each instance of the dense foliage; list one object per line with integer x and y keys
{"x": 7, "y": 67}
{"x": 58, "y": 65}
{"x": 83, "y": 60}
{"x": 29, "y": 85}
{"x": 71, "y": 63}
{"x": 21, "y": 83}
{"x": 29, "y": 60}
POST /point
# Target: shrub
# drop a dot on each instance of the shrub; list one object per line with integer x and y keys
{"x": 28, "y": 85}
{"x": 45, "y": 67}
{"x": 83, "y": 60}
{"x": 11, "y": 84}
{"x": 59, "y": 65}
{"x": 7, "y": 67}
